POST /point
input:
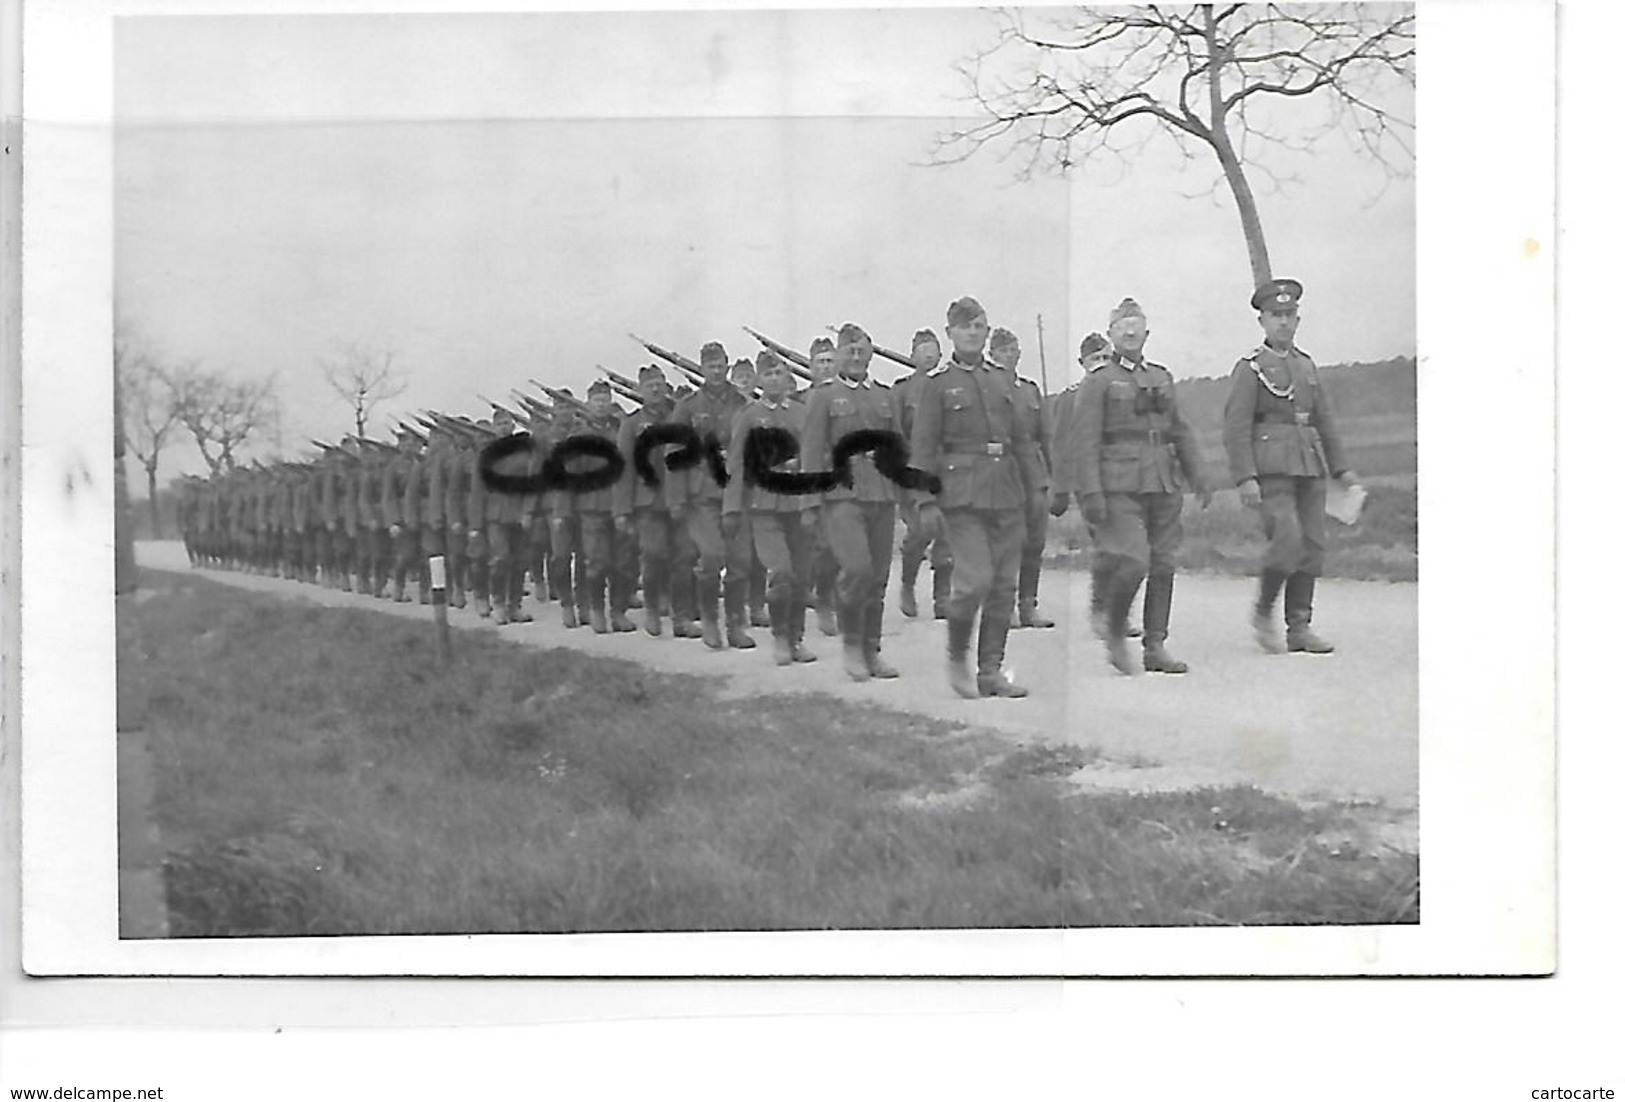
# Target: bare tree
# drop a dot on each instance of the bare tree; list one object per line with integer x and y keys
{"x": 223, "y": 414}
{"x": 149, "y": 411}
{"x": 1059, "y": 90}
{"x": 363, "y": 377}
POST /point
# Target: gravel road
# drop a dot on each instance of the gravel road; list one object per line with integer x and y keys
{"x": 1334, "y": 726}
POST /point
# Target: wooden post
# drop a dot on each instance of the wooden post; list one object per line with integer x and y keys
{"x": 437, "y": 596}
{"x": 1043, "y": 365}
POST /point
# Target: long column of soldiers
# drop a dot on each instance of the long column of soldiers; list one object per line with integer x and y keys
{"x": 714, "y": 553}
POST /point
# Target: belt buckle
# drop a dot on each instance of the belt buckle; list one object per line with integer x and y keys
{"x": 1300, "y": 418}
{"x": 995, "y": 449}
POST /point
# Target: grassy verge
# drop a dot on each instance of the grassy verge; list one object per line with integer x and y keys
{"x": 316, "y": 774}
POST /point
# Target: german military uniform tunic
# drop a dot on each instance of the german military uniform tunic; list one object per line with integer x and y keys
{"x": 1280, "y": 429}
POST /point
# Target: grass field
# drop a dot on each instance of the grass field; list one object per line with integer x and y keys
{"x": 317, "y": 774}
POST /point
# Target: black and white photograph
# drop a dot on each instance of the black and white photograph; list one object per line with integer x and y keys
{"x": 836, "y": 474}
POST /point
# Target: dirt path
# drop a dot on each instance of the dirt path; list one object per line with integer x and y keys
{"x": 1338, "y": 726}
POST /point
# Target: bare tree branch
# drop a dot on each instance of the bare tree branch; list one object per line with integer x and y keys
{"x": 363, "y": 377}
{"x": 1056, "y": 89}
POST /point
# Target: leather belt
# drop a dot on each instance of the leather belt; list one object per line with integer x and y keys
{"x": 1135, "y": 436}
{"x": 1295, "y": 419}
{"x": 995, "y": 448}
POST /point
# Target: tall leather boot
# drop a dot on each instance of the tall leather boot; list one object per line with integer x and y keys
{"x": 826, "y": 612}
{"x": 620, "y": 592}
{"x": 850, "y": 614}
{"x": 1027, "y": 614}
{"x": 783, "y": 637}
{"x": 796, "y": 607}
{"x": 991, "y": 679}
{"x": 1100, "y": 581}
{"x": 913, "y": 556}
{"x": 942, "y": 584}
{"x": 1159, "y": 603}
{"x": 961, "y": 678}
{"x": 479, "y": 579}
{"x": 595, "y": 605}
{"x": 710, "y": 630}
{"x": 874, "y": 616}
{"x": 685, "y": 613}
{"x": 1265, "y": 632}
{"x": 1300, "y": 604}
{"x": 653, "y": 598}
{"x": 583, "y": 592}
{"x": 1120, "y": 590}
{"x": 734, "y": 599}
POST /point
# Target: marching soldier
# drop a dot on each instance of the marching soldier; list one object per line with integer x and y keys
{"x": 604, "y": 551}
{"x": 432, "y": 534}
{"x": 926, "y": 354}
{"x": 743, "y": 378}
{"x": 821, "y": 364}
{"x": 697, "y": 498}
{"x": 508, "y": 519}
{"x": 1135, "y": 457}
{"x": 1004, "y": 352}
{"x": 780, "y": 530}
{"x": 859, "y": 520}
{"x": 558, "y": 530}
{"x": 967, "y": 433}
{"x": 665, "y": 551}
{"x": 457, "y": 471}
{"x": 479, "y": 543}
{"x": 1283, "y": 442}
{"x": 399, "y": 509}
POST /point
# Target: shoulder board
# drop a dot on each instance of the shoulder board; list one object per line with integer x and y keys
{"x": 1302, "y": 353}
{"x": 1098, "y": 365}
{"x": 938, "y": 370}
{"x": 1159, "y": 367}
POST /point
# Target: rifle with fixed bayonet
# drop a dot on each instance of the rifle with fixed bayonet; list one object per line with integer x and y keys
{"x": 621, "y": 385}
{"x": 881, "y": 351}
{"x": 682, "y": 363}
{"x": 800, "y": 365}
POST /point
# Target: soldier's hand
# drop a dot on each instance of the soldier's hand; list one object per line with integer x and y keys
{"x": 1094, "y": 509}
{"x": 931, "y": 522}
{"x": 1250, "y": 497}
{"x": 623, "y": 524}
{"x": 456, "y": 526}
{"x": 1058, "y": 503}
{"x": 1204, "y": 497}
{"x": 809, "y": 518}
{"x": 394, "y": 530}
{"x": 473, "y": 533}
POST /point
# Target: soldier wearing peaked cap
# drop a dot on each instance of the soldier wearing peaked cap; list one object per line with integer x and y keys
{"x": 926, "y": 354}
{"x": 967, "y": 432}
{"x": 607, "y": 555}
{"x": 1133, "y": 458}
{"x": 1283, "y": 442}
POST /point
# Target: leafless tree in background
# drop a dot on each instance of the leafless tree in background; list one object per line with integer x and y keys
{"x": 1219, "y": 80}
{"x": 223, "y": 414}
{"x": 363, "y": 377}
{"x": 149, "y": 411}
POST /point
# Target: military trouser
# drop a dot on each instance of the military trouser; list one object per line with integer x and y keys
{"x": 541, "y": 559}
{"x": 1141, "y": 535}
{"x": 507, "y": 571}
{"x": 916, "y": 545}
{"x": 566, "y": 577}
{"x": 404, "y": 556}
{"x": 986, "y": 547}
{"x": 610, "y": 562}
{"x": 1294, "y": 513}
{"x": 716, "y": 552}
{"x": 340, "y": 556}
{"x": 824, "y": 571}
{"x": 667, "y": 557}
{"x": 784, "y": 546}
{"x": 860, "y": 535}
{"x": 477, "y": 551}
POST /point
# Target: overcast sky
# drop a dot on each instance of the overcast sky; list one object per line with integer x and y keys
{"x": 497, "y": 197}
